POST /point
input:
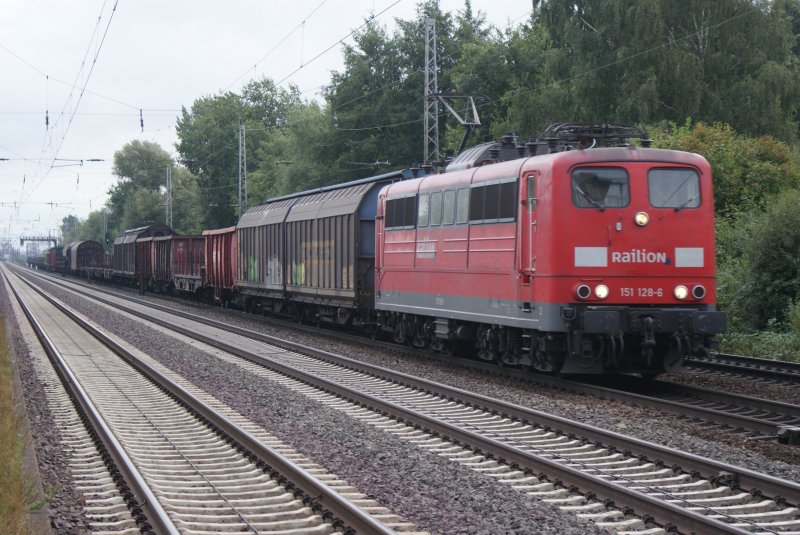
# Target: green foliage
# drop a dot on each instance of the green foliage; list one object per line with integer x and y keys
{"x": 766, "y": 344}
{"x": 793, "y": 318}
{"x": 759, "y": 268}
{"x": 139, "y": 166}
{"x": 69, "y": 229}
{"x": 652, "y": 60}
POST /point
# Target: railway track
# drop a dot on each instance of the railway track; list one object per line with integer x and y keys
{"x": 532, "y": 452}
{"x": 182, "y": 463}
{"x": 756, "y": 417}
{"x": 767, "y": 369}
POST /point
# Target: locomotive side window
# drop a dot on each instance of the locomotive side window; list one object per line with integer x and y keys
{"x": 401, "y": 212}
{"x": 508, "y": 200}
{"x": 493, "y": 202}
{"x": 423, "y": 210}
{"x": 673, "y": 188}
{"x": 462, "y": 206}
{"x": 449, "y": 209}
{"x": 600, "y": 187}
{"x": 436, "y": 208}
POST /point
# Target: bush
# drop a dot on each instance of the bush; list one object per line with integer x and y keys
{"x": 765, "y": 344}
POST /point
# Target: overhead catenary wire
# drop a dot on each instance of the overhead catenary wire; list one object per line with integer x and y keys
{"x": 340, "y": 41}
{"x": 49, "y": 134}
{"x": 279, "y": 43}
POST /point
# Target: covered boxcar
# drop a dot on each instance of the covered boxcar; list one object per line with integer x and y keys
{"x": 220, "y": 260}
{"x": 124, "y": 259}
{"x": 325, "y": 268}
{"x": 82, "y": 256}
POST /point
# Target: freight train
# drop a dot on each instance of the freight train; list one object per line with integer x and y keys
{"x": 577, "y": 252}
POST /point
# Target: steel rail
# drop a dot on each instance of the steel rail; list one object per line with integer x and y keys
{"x": 145, "y": 507}
{"x": 772, "y": 369}
{"x": 316, "y": 494}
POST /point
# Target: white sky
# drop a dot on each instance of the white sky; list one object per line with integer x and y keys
{"x": 157, "y": 56}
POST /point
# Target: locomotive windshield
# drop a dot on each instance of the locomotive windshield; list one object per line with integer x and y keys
{"x": 600, "y": 187}
{"x": 674, "y": 188}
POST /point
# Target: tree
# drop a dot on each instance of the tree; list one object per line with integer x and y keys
{"x": 641, "y": 62}
{"x": 69, "y": 229}
{"x": 139, "y": 166}
{"x": 145, "y": 207}
{"x": 209, "y": 142}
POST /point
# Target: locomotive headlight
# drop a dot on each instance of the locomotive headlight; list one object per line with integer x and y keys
{"x": 641, "y": 218}
{"x": 601, "y": 291}
{"x": 681, "y": 292}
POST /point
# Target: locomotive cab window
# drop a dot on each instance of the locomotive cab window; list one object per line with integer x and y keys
{"x": 673, "y": 188}
{"x": 600, "y": 187}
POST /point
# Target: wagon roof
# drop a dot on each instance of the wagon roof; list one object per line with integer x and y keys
{"x": 330, "y": 203}
{"x": 219, "y": 231}
{"x": 130, "y": 235}
{"x": 339, "y": 199}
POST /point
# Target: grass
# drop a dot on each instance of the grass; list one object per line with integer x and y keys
{"x": 14, "y": 488}
{"x": 763, "y": 344}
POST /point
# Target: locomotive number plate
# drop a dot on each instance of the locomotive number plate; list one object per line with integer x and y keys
{"x": 641, "y": 292}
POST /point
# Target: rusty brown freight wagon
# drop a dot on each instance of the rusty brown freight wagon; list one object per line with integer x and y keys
{"x": 221, "y": 257}
{"x": 124, "y": 260}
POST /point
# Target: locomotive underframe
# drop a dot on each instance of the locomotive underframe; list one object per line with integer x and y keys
{"x": 647, "y": 340}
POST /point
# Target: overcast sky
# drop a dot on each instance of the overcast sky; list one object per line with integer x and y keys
{"x": 156, "y": 56}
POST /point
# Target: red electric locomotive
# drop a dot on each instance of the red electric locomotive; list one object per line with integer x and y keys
{"x": 577, "y": 261}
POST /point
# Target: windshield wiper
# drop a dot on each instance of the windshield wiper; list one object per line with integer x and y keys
{"x": 591, "y": 201}
{"x": 678, "y": 208}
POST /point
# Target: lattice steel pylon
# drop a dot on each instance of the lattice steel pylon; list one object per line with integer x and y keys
{"x": 431, "y": 88}
{"x": 242, "y": 169}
